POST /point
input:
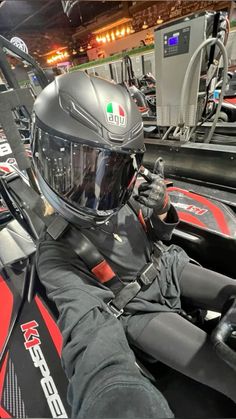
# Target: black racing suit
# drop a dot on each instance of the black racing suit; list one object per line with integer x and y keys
{"x": 96, "y": 355}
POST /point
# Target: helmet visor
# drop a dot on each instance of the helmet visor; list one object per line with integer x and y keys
{"x": 86, "y": 177}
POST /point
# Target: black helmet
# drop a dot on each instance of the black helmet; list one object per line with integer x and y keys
{"x": 87, "y": 146}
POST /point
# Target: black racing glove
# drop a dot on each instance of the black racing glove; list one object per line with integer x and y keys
{"x": 153, "y": 194}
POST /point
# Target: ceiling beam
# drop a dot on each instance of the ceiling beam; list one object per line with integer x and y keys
{"x": 28, "y": 18}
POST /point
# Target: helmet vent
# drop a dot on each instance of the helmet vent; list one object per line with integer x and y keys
{"x": 78, "y": 113}
{"x": 117, "y": 138}
{"x": 137, "y": 130}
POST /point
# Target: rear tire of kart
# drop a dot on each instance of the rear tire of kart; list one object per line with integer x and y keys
{"x": 223, "y": 117}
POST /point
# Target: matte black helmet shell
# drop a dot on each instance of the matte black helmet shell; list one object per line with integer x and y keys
{"x": 90, "y": 110}
{"x": 87, "y": 146}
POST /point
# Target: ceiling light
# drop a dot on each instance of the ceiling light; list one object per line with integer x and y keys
{"x": 159, "y": 20}
{"x": 13, "y": 67}
{"x": 81, "y": 49}
{"x": 25, "y": 65}
{"x": 145, "y": 25}
{"x": 113, "y": 25}
{"x": 89, "y": 46}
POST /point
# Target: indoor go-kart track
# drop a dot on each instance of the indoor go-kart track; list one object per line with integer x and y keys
{"x": 186, "y": 397}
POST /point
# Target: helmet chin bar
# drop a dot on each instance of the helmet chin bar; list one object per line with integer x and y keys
{"x": 115, "y": 210}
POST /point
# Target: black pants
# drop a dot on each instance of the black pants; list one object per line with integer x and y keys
{"x": 184, "y": 347}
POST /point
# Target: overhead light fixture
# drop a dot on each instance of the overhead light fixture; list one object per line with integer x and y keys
{"x": 159, "y": 20}
{"x": 13, "y": 67}
{"x": 145, "y": 25}
{"x": 109, "y": 33}
{"x": 113, "y": 25}
{"x": 25, "y": 65}
{"x": 62, "y": 56}
{"x": 89, "y": 46}
{"x": 81, "y": 49}
{"x": 74, "y": 52}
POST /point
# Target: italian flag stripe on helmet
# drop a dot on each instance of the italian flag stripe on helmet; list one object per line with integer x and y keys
{"x": 121, "y": 111}
{"x": 113, "y": 107}
{"x": 109, "y": 108}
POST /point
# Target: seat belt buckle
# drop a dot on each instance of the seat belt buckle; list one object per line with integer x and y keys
{"x": 114, "y": 310}
{"x": 148, "y": 274}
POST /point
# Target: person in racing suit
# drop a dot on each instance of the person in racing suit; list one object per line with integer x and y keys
{"x": 87, "y": 151}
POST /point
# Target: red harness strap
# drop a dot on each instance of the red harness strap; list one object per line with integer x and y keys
{"x": 103, "y": 272}
{"x": 141, "y": 220}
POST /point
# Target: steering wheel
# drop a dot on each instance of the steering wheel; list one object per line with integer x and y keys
{"x": 222, "y": 333}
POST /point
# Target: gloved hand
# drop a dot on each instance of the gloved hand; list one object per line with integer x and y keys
{"x": 152, "y": 193}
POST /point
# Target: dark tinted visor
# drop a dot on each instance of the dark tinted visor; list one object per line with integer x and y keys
{"x": 93, "y": 178}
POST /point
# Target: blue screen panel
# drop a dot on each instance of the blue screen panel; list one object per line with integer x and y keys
{"x": 174, "y": 40}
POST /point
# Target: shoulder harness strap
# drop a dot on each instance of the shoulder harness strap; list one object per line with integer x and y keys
{"x": 83, "y": 248}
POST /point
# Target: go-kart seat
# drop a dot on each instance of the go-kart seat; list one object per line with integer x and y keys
{"x": 18, "y": 239}
{"x": 24, "y": 203}
{"x": 15, "y": 244}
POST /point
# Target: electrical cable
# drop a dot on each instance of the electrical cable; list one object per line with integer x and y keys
{"x": 207, "y": 42}
{"x": 211, "y": 113}
{"x": 167, "y": 133}
{"x": 223, "y": 89}
{"x": 187, "y": 77}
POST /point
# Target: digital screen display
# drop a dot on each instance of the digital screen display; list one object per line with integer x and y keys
{"x": 174, "y": 40}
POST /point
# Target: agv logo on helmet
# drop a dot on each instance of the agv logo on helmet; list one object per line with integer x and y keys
{"x": 116, "y": 114}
